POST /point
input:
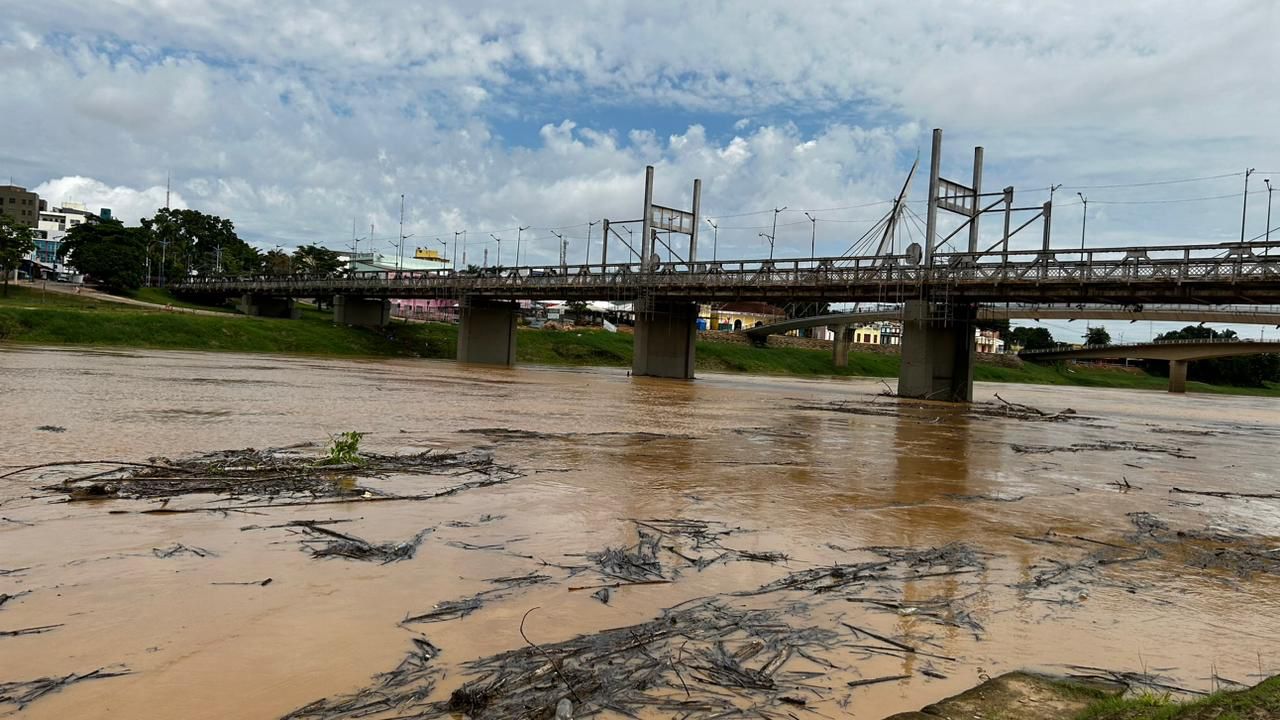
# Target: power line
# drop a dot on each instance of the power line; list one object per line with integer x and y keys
{"x": 1153, "y": 182}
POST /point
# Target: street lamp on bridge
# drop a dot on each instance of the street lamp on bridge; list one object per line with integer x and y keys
{"x": 1244, "y": 209}
{"x": 715, "y": 233}
{"x": 813, "y": 234}
{"x": 519, "y": 232}
{"x": 1084, "y": 219}
{"x": 499, "y": 241}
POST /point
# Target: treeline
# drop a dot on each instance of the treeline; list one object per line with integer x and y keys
{"x": 175, "y": 244}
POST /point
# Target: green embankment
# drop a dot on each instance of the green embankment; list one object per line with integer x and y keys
{"x": 1257, "y": 703}
{"x": 29, "y": 316}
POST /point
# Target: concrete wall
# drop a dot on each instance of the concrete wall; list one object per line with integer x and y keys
{"x": 487, "y": 332}
{"x": 268, "y": 306}
{"x": 665, "y": 337}
{"x": 361, "y": 312}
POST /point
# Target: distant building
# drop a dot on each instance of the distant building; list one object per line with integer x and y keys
{"x": 51, "y": 230}
{"x": 890, "y": 332}
{"x": 867, "y": 335}
{"x": 988, "y": 341}
{"x": 738, "y": 316}
{"x": 20, "y": 204}
{"x": 422, "y": 259}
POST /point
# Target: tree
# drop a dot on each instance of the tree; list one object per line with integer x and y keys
{"x": 315, "y": 260}
{"x": 16, "y": 242}
{"x": 1097, "y": 336}
{"x": 111, "y": 254}
{"x": 276, "y": 262}
{"x": 198, "y": 243}
{"x": 1032, "y": 338}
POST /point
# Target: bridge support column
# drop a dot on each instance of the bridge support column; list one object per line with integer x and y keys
{"x": 840, "y": 346}
{"x": 937, "y": 351}
{"x": 666, "y": 333}
{"x": 487, "y": 332}
{"x": 361, "y": 312}
{"x": 1177, "y": 376}
{"x": 268, "y": 306}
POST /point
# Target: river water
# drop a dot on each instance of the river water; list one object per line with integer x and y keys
{"x": 783, "y": 461}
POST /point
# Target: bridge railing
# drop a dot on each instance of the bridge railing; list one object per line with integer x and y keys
{"x": 1121, "y": 346}
{"x": 1229, "y": 261}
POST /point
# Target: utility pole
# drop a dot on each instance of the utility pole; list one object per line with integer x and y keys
{"x": 715, "y": 234}
{"x": 813, "y": 234}
{"x": 519, "y": 232}
{"x": 1244, "y": 210}
{"x": 591, "y": 225}
{"x": 499, "y": 241}
{"x": 1084, "y": 218}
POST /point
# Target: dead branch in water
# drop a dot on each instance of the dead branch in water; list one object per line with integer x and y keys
{"x": 23, "y": 693}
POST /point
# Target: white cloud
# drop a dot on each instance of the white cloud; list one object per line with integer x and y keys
{"x": 127, "y": 204}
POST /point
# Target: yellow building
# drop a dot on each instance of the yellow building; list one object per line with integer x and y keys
{"x": 866, "y": 335}
{"x": 739, "y": 316}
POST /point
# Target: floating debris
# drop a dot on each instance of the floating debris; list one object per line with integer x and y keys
{"x": 180, "y": 549}
{"x": 325, "y": 543}
{"x": 23, "y": 693}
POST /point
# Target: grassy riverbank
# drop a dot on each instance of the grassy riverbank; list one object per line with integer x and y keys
{"x": 34, "y": 317}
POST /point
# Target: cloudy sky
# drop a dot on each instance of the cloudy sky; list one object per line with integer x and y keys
{"x": 297, "y": 119}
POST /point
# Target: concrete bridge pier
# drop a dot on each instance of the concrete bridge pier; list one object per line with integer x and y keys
{"x": 268, "y": 306}
{"x": 937, "y": 351}
{"x": 665, "y": 336}
{"x": 361, "y": 312}
{"x": 840, "y": 345}
{"x": 1177, "y": 376}
{"x": 487, "y": 332}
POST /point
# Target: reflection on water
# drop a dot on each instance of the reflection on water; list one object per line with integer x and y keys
{"x": 766, "y": 456}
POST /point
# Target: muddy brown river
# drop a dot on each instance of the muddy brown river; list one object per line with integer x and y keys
{"x": 816, "y": 470}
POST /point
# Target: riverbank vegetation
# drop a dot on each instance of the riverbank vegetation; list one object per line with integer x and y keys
{"x": 32, "y": 316}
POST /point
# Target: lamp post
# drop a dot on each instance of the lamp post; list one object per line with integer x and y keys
{"x": 774, "y": 233}
{"x": 1244, "y": 209}
{"x": 1084, "y": 218}
{"x": 591, "y": 225}
{"x": 444, "y": 246}
{"x": 519, "y": 232}
{"x": 813, "y": 235}
{"x": 715, "y": 232}
{"x": 563, "y": 248}
{"x": 499, "y": 241}
{"x": 770, "y": 239}
{"x": 1267, "y": 182}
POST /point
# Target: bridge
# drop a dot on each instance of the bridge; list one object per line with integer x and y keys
{"x": 940, "y": 291}
{"x": 1177, "y": 352}
{"x": 842, "y": 324}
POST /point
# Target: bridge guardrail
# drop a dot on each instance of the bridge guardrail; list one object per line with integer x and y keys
{"x": 1231, "y": 261}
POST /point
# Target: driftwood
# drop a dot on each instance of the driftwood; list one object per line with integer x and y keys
{"x": 23, "y": 693}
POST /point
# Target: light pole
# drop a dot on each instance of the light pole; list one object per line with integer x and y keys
{"x": 444, "y": 246}
{"x": 770, "y": 239}
{"x": 715, "y": 232}
{"x": 813, "y": 235}
{"x": 591, "y": 225}
{"x": 1084, "y": 218}
{"x": 1244, "y": 210}
{"x": 499, "y": 241}
{"x": 774, "y": 233}
{"x": 519, "y": 232}
{"x": 1267, "y": 182}
{"x": 456, "y": 233}
{"x": 563, "y": 248}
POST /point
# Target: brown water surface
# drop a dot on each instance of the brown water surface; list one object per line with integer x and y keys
{"x": 768, "y": 455}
